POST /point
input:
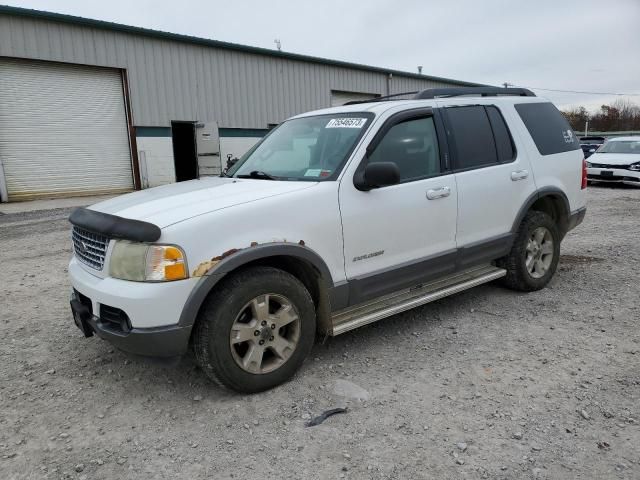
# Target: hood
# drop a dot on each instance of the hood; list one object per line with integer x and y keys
{"x": 614, "y": 158}
{"x": 176, "y": 202}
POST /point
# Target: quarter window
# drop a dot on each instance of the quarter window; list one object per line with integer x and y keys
{"x": 413, "y": 146}
{"x": 549, "y": 130}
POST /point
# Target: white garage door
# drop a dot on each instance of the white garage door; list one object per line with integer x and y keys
{"x": 63, "y": 130}
{"x": 339, "y": 98}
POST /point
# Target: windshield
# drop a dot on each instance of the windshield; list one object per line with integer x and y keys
{"x": 308, "y": 148}
{"x": 621, "y": 146}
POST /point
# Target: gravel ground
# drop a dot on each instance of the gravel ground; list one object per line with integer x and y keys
{"x": 486, "y": 384}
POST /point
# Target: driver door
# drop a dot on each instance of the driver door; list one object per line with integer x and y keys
{"x": 401, "y": 235}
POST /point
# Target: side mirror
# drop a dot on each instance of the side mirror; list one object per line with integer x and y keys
{"x": 376, "y": 175}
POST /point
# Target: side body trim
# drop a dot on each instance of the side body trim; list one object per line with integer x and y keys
{"x": 393, "y": 279}
{"x": 484, "y": 251}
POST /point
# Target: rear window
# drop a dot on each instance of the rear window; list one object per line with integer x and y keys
{"x": 473, "y": 137}
{"x": 550, "y": 131}
{"x": 504, "y": 143}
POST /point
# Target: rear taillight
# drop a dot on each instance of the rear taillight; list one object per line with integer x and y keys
{"x": 584, "y": 174}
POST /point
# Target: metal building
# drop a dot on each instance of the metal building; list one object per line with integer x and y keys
{"x": 90, "y": 107}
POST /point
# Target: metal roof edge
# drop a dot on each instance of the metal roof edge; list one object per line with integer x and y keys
{"x": 88, "y": 22}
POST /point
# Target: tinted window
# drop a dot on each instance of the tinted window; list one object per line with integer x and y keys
{"x": 413, "y": 146}
{"x": 548, "y": 128}
{"x": 473, "y": 137}
{"x": 504, "y": 143}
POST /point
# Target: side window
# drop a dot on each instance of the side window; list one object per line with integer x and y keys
{"x": 550, "y": 131}
{"x": 504, "y": 142}
{"x": 473, "y": 137}
{"x": 413, "y": 146}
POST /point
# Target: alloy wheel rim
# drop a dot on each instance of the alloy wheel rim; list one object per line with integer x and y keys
{"x": 265, "y": 333}
{"x": 539, "y": 252}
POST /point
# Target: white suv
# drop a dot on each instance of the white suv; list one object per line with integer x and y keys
{"x": 336, "y": 219}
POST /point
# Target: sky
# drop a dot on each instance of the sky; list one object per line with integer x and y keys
{"x": 577, "y": 45}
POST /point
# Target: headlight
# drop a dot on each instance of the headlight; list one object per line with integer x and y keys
{"x": 635, "y": 167}
{"x": 588, "y": 164}
{"x": 141, "y": 262}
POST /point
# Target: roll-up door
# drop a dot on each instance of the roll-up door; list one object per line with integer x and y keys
{"x": 63, "y": 130}
{"x": 339, "y": 98}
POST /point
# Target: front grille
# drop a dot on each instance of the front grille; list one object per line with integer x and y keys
{"x": 90, "y": 248}
{"x": 604, "y": 165}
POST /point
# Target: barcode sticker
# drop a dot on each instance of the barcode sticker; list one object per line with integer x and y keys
{"x": 346, "y": 123}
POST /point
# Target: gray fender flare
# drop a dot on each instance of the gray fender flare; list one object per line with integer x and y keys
{"x": 538, "y": 194}
{"x": 242, "y": 257}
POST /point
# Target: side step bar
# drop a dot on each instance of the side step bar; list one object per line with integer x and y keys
{"x": 366, "y": 313}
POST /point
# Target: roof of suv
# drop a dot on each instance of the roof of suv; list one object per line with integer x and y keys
{"x": 378, "y": 107}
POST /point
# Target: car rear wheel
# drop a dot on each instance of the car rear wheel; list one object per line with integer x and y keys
{"x": 255, "y": 329}
{"x": 534, "y": 255}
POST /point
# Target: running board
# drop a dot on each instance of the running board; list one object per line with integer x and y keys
{"x": 366, "y": 313}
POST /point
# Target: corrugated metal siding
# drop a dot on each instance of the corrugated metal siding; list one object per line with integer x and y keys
{"x": 63, "y": 130}
{"x": 173, "y": 80}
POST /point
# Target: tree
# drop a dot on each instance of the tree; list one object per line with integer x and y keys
{"x": 622, "y": 115}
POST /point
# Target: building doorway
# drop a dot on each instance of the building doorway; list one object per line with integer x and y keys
{"x": 185, "y": 159}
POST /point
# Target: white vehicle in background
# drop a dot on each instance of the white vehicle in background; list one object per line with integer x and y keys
{"x": 336, "y": 219}
{"x": 618, "y": 160}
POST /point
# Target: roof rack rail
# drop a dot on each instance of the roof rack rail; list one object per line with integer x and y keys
{"x": 380, "y": 99}
{"x": 475, "y": 91}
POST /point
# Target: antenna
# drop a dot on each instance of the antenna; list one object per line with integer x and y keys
{"x": 278, "y": 44}
{"x": 507, "y": 84}
{"x": 420, "y": 69}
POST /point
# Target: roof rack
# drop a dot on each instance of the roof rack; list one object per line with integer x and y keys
{"x": 381, "y": 99}
{"x": 475, "y": 91}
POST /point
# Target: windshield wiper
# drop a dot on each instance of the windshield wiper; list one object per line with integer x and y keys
{"x": 258, "y": 175}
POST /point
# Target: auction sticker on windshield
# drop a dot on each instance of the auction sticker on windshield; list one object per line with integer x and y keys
{"x": 346, "y": 123}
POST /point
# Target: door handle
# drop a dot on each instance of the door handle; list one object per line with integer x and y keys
{"x": 519, "y": 175}
{"x": 441, "y": 192}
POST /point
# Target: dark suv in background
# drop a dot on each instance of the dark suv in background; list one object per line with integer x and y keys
{"x": 589, "y": 145}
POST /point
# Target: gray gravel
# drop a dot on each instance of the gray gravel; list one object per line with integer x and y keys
{"x": 487, "y": 384}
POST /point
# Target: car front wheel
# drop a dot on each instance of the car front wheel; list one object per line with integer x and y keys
{"x": 255, "y": 329}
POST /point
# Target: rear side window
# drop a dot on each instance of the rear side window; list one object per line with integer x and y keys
{"x": 473, "y": 137}
{"x": 548, "y": 128}
{"x": 504, "y": 142}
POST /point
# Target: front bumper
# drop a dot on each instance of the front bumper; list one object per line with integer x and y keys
{"x": 617, "y": 175}
{"x": 137, "y": 317}
{"x": 155, "y": 342}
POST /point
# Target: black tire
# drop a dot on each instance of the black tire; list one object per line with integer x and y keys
{"x": 211, "y": 337}
{"x": 518, "y": 277}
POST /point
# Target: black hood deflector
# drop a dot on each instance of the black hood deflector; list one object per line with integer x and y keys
{"x": 113, "y": 226}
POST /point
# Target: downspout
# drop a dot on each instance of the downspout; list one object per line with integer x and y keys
{"x": 389, "y": 77}
{"x": 4, "y": 193}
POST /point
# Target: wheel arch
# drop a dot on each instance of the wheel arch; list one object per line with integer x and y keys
{"x": 550, "y": 200}
{"x": 297, "y": 259}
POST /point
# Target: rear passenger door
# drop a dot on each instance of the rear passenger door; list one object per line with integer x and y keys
{"x": 493, "y": 180}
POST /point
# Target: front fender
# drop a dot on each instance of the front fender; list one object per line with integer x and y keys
{"x": 214, "y": 270}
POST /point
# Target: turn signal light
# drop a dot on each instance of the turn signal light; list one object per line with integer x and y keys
{"x": 165, "y": 263}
